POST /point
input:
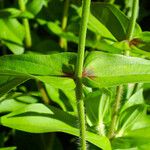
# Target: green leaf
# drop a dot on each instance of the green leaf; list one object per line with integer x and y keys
{"x": 100, "y": 45}
{"x": 12, "y": 35}
{"x": 55, "y": 69}
{"x": 8, "y": 148}
{"x": 113, "y": 19}
{"x": 96, "y": 104}
{"x": 142, "y": 42}
{"x": 12, "y": 104}
{"x": 7, "y": 83}
{"x": 37, "y": 118}
{"x": 128, "y": 118}
{"x": 13, "y": 13}
{"x": 28, "y": 64}
{"x": 96, "y": 26}
{"x": 35, "y": 6}
{"x": 134, "y": 138}
{"x": 135, "y": 99}
{"x": 106, "y": 70}
{"x": 140, "y": 133}
{"x": 65, "y": 98}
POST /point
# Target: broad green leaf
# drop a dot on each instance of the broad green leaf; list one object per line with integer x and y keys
{"x": 12, "y": 35}
{"x": 106, "y": 70}
{"x": 42, "y": 67}
{"x": 37, "y": 118}
{"x": 61, "y": 64}
{"x": 113, "y": 19}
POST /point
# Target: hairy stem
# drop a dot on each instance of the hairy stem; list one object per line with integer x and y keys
{"x": 115, "y": 112}
{"x": 79, "y": 70}
{"x": 120, "y": 88}
{"x": 63, "y": 42}
{"x": 28, "y": 40}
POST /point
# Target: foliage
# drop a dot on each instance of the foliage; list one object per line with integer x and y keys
{"x": 38, "y": 80}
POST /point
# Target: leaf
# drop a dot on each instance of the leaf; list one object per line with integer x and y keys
{"x": 65, "y": 98}
{"x": 135, "y": 99}
{"x": 140, "y": 133}
{"x": 37, "y": 118}
{"x": 128, "y": 118}
{"x": 142, "y": 42}
{"x": 29, "y": 64}
{"x": 7, "y": 83}
{"x": 138, "y": 138}
{"x": 96, "y": 104}
{"x": 106, "y": 70}
{"x": 12, "y": 35}
{"x": 13, "y": 13}
{"x": 35, "y": 6}
{"x": 96, "y": 26}
{"x": 100, "y": 45}
{"x": 108, "y": 14}
{"x": 12, "y": 104}
{"x": 42, "y": 67}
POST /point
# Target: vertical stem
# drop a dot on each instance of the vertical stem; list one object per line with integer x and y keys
{"x": 43, "y": 93}
{"x": 28, "y": 40}
{"x": 133, "y": 19}
{"x": 79, "y": 70}
{"x": 115, "y": 112}
{"x": 63, "y": 42}
{"x": 120, "y": 88}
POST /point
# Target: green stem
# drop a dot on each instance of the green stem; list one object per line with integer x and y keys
{"x": 28, "y": 40}
{"x": 120, "y": 88}
{"x": 79, "y": 70}
{"x": 43, "y": 93}
{"x": 115, "y": 112}
{"x": 133, "y": 18}
{"x": 63, "y": 42}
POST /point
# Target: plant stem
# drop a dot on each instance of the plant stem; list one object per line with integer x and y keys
{"x": 133, "y": 18}
{"x": 43, "y": 93}
{"x": 63, "y": 42}
{"x": 28, "y": 40}
{"x": 120, "y": 88}
{"x": 79, "y": 70}
{"x": 115, "y": 112}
